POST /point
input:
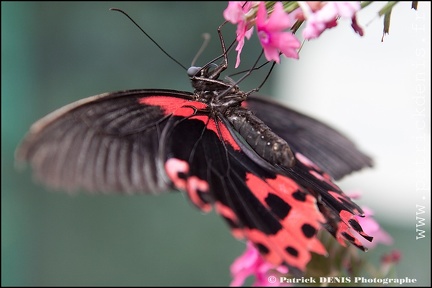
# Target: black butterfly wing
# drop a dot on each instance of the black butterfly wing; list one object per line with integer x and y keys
{"x": 279, "y": 213}
{"x": 327, "y": 148}
{"x": 108, "y": 142}
{"x": 151, "y": 140}
{"x": 214, "y": 172}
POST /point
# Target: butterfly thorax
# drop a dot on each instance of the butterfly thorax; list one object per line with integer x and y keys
{"x": 218, "y": 95}
{"x": 224, "y": 99}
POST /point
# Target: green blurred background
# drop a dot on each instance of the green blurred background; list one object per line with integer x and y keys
{"x": 54, "y": 53}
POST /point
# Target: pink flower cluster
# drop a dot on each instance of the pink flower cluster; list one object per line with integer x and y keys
{"x": 371, "y": 227}
{"x": 251, "y": 263}
{"x": 273, "y": 21}
{"x": 236, "y": 14}
{"x": 320, "y": 16}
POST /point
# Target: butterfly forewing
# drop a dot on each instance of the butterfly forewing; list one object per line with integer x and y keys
{"x": 108, "y": 142}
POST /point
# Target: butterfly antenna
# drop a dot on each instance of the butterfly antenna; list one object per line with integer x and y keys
{"x": 148, "y": 36}
{"x": 206, "y": 37}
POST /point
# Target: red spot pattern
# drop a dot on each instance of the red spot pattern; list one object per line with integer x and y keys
{"x": 344, "y": 228}
{"x": 226, "y": 212}
{"x": 344, "y": 225}
{"x": 291, "y": 235}
{"x": 291, "y": 244}
{"x": 175, "y": 166}
{"x": 191, "y": 184}
{"x": 193, "y": 187}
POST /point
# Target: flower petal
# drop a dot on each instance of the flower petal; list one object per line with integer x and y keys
{"x": 251, "y": 263}
{"x": 287, "y": 44}
{"x": 278, "y": 20}
{"x": 272, "y": 54}
{"x": 371, "y": 227}
{"x": 347, "y": 9}
{"x": 234, "y": 12}
{"x": 261, "y": 15}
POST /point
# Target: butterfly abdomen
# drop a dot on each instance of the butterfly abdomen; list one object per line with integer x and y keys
{"x": 259, "y": 136}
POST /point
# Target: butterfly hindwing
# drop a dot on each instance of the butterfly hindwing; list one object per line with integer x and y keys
{"x": 323, "y": 145}
{"x": 279, "y": 213}
{"x": 213, "y": 172}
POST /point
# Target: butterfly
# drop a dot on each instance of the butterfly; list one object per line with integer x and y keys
{"x": 266, "y": 169}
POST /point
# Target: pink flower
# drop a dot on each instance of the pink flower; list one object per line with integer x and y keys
{"x": 326, "y": 17}
{"x": 339, "y": 9}
{"x": 236, "y": 14}
{"x": 389, "y": 260}
{"x": 356, "y": 27}
{"x": 393, "y": 257}
{"x": 371, "y": 227}
{"x": 252, "y": 263}
{"x": 315, "y": 27}
{"x": 271, "y": 36}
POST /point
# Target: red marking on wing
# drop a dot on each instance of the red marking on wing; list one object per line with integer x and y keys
{"x": 173, "y": 105}
{"x": 345, "y": 229}
{"x": 227, "y": 213}
{"x": 224, "y": 133}
{"x": 261, "y": 188}
{"x": 191, "y": 184}
{"x": 279, "y": 245}
{"x": 337, "y": 196}
{"x": 173, "y": 167}
{"x": 303, "y": 159}
{"x": 291, "y": 237}
{"x": 323, "y": 177}
{"x": 342, "y": 198}
{"x": 315, "y": 170}
{"x": 193, "y": 187}
{"x": 347, "y": 210}
{"x": 187, "y": 108}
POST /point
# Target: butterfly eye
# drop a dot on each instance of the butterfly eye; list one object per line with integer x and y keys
{"x": 192, "y": 71}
